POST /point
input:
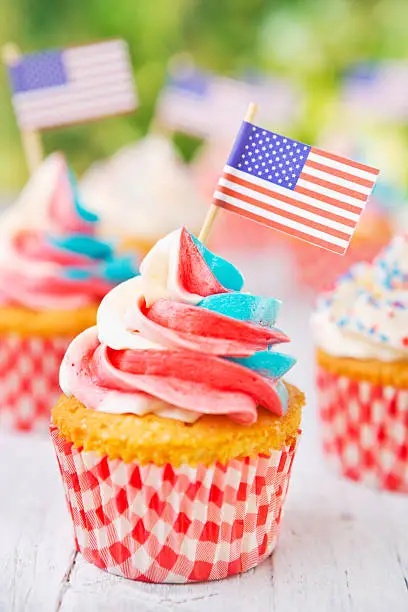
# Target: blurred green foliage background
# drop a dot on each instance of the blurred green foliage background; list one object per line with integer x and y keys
{"x": 312, "y": 41}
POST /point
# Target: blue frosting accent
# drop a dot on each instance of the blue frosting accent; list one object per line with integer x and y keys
{"x": 85, "y": 245}
{"x": 103, "y": 261}
{"x": 83, "y": 212}
{"x": 78, "y": 274}
{"x": 244, "y": 307}
{"x": 113, "y": 271}
{"x": 267, "y": 363}
{"x": 120, "y": 269}
{"x": 224, "y": 271}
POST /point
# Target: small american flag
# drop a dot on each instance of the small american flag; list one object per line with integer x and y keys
{"x": 62, "y": 87}
{"x": 295, "y": 188}
{"x": 209, "y": 105}
{"x": 378, "y": 89}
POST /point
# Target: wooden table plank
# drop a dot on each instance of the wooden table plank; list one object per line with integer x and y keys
{"x": 36, "y": 545}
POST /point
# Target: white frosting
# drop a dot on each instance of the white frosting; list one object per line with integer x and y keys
{"x": 112, "y": 318}
{"x": 366, "y": 315}
{"x": 30, "y": 210}
{"x": 144, "y": 190}
{"x": 117, "y": 322}
{"x": 159, "y": 279}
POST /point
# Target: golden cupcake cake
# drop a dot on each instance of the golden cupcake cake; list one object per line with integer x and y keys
{"x": 175, "y": 434}
{"x": 361, "y": 333}
{"x": 53, "y": 273}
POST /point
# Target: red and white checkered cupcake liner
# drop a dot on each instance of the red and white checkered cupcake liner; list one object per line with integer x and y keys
{"x": 175, "y": 525}
{"x": 29, "y": 370}
{"x": 365, "y": 430}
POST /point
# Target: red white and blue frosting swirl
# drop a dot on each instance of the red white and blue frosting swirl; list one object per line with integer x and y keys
{"x": 181, "y": 340}
{"x": 56, "y": 261}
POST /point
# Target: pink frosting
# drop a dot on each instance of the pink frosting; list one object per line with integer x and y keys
{"x": 193, "y": 381}
{"x": 33, "y": 269}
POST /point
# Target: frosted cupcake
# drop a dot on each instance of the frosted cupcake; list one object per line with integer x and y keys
{"x": 361, "y": 333}
{"x": 175, "y": 435}
{"x": 143, "y": 192}
{"x": 53, "y": 274}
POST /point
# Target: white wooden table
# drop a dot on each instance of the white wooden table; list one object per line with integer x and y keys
{"x": 342, "y": 547}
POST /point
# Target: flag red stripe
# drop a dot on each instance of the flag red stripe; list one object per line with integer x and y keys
{"x": 288, "y": 200}
{"x": 328, "y": 200}
{"x": 284, "y": 214}
{"x": 344, "y": 190}
{"x": 345, "y": 161}
{"x": 282, "y": 228}
{"x": 339, "y": 173}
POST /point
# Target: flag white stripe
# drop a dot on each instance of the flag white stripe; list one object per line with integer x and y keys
{"x": 282, "y": 220}
{"x": 307, "y": 199}
{"x": 99, "y": 52}
{"x": 85, "y": 103}
{"x": 89, "y": 72}
{"x": 370, "y": 176}
{"x": 65, "y": 93}
{"x": 82, "y": 111}
{"x": 82, "y": 66}
{"x": 78, "y": 103}
{"x": 276, "y": 202}
{"x": 330, "y": 193}
{"x": 336, "y": 180}
{"x": 77, "y": 60}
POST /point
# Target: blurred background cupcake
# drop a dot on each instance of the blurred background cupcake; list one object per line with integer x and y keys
{"x": 361, "y": 334}
{"x": 143, "y": 192}
{"x": 53, "y": 273}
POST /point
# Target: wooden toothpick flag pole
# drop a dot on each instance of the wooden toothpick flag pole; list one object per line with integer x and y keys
{"x": 212, "y": 213}
{"x": 31, "y": 139}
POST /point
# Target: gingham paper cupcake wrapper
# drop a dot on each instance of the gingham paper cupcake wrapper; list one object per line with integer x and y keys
{"x": 365, "y": 430}
{"x": 29, "y": 370}
{"x": 176, "y": 525}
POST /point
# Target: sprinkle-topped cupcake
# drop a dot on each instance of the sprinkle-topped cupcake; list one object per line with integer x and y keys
{"x": 361, "y": 331}
{"x": 174, "y": 407}
{"x": 53, "y": 273}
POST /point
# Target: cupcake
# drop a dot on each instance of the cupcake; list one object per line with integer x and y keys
{"x": 143, "y": 192}
{"x": 175, "y": 435}
{"x": 53, "y": 274}
{"x": 361, "y": 333}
